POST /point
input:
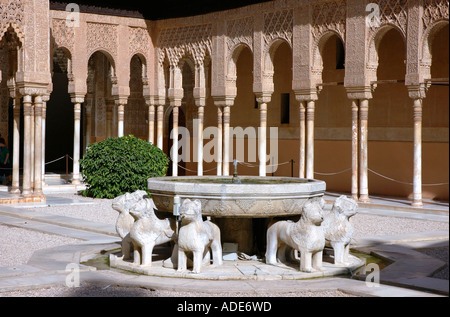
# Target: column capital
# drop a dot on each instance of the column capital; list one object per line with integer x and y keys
{"x": 224, "y": 101}
{"x": 306, "y": 94}
{"x": 77, "y": 98}
{"x": 360, "y": 92}
{"x": 417, "y": 91}
{"x": 120, "y": 100}
{"x": 263, "y": 97}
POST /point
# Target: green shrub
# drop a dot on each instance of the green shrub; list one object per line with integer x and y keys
{"x": 118, "y": 165}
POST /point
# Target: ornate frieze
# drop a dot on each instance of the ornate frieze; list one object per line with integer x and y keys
{"x": 394, "y": 12}
{"x": 326, "y": 16}
{"x": 278, "y": 24}
{"x": 240, "y": 31}
{"x": 434, "y": 10}
{"x": 194, "y": 40}
{"x": 63, "y": 35}
{"x": 12, "y": 14}
{"x": 102, "y": 36}
{"x": 139, "y": 41}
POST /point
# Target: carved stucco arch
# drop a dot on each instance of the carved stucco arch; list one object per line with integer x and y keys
{"x": 426, "y": 56}
{"x": 67, "y": 54}
{"x": 269, "y": 54}
{"x": 374, "y": 42}
{"x": 110, "y": 58}
{"x": 318, "y": 46}
{"x": 232, "y": 60}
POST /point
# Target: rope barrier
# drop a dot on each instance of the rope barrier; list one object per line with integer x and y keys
{"x": 336, "y": 173}
{"x": 404, "y": 183}
{"x": 192, "y": 171}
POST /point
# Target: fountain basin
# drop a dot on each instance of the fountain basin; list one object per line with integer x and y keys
{"x": 255, "y": 197}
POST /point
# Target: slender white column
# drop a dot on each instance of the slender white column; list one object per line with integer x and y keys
{"x": 37, "y": 146}
{"x": 355, "y": 149}
{"x": 226, "y": 141}
{"x": 120, "y": 118}
{"x": 301, "y": 171}
{"x": 310, "y": 139}
{"x": 32, "y": 128}
{"x": 159, "y": 126}
{"x": 76, "y": 143}
{"x": 262, "y": 138}
{"x": 417, "y": 176}
{"x": 219, "y": 140}
{"x": 44, "y": 117}
{"x": 151, "y": 124}
{"x": 174, "y": 151}
{"x": 363, "y": 170}
{"x": 16, "y": 151}
{"x": 88, "y": 108}
{"x": 27, "y": 114}
{"x": 201, "y": 111}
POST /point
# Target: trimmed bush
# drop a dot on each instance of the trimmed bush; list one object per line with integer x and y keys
{"x": 118, "y": 165}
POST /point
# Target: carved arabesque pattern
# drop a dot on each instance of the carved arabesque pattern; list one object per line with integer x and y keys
{"x": 393, "y": 12}
{"x": 434, "y": 10}
{"x": 278, "y": 24}
{"x": 12, "y": 14}
{"x": 328, "y": 16}
{"x": 194, "y": 40}
{"x": 139, "y": 41}
{"x": 102, "y": 36}
{"x": 63, "y": 35}
{"x": 240, "y": 31}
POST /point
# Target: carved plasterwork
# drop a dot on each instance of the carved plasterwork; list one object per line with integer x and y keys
{"x": 394, "y": 12}
{"x": 194, "y": 40}
{"x": 278, "y": 25}
{"x": 328, "y": 16}
{"x": 12, "y": 14}
{"x": 139, "y": 41}
{"x": 102, "y": 36}
{"x": 240, "y": 31}
{"x": 63, "y": 35}
{"x": 434, "y": 10}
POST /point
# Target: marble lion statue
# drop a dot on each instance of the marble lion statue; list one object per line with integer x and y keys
{"x": 338, "y": 229}
{"x": 305, "y": 236}
{"x": 197, "y": 236}
{"x": 125, "y": 221}
{"x": 149, "y": 231}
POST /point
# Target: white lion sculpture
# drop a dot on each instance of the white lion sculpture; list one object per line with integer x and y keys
{"x": 197, "y": 236}
{"x": 305, "y": 236}
{"x": 125, "y": 221}
{"x": 338, "y": 229}
{"x": 149, "y": 231}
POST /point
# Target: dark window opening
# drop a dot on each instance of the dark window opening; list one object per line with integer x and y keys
{"x": 285, "y": 108}
{"x": 340, "y": 54}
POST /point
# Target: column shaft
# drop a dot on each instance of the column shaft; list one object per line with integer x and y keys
{"x": 27, "y": 114}
{"x": 262, "y": 139}
{"x": 76, "y": 143}
{"x": 174, "y": 134}
{"x": 355, "y": 149}
{"x": 417, "y": 173}
{"x": 363, "y": 155}
{"x": 219, "y": 140}
{"x": 159, "y": 126}
{"x": 302, "y": 136}
{"x": 226, "y": 141}
{"x": 120, "y": 119}
{"x": 310, "y": 139}
{"x": 151, "y": 124}
{"x": 37, "y": 146}
{"x": 201, "y": 111}
{"x": 16, "y": 150}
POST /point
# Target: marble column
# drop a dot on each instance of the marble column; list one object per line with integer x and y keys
{"x": 226, "y": 141}
{"x": 201, "y": 112}
{"x": 262, "y": 138}
{"x": 417, "y": 172}
{"x": 355, "y": 149}
{"x": 302, "y": 135}
{"x": 16, "y": 150}
{"x": 37, "y": 147}
{"x": 219, "y": 140}
{"x": 159, "y": 126}
{"x": 28, "y": 115}
{"x": 76, "y": 140}
{"x": 174, "y": 135}
{"x": 363, "y": 154}
{"x": 310, "y": 139}
{"x": 151, "y": 123}
{"x": 120, "y": 119}
{"x": 44, "y": 123}
{"x": 88, "y": 111}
